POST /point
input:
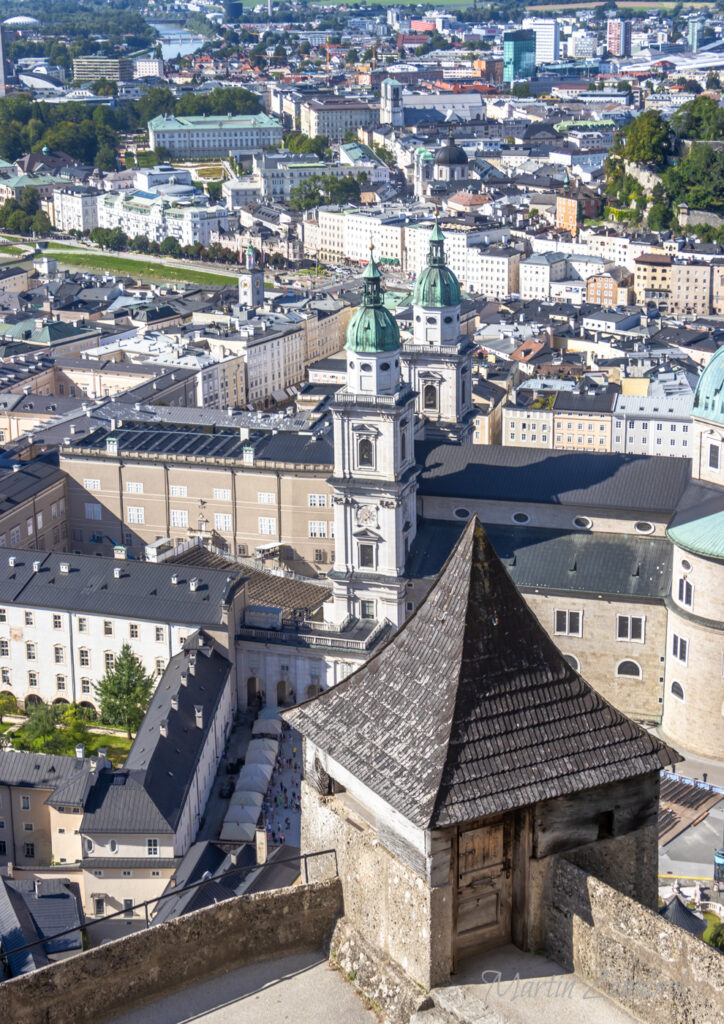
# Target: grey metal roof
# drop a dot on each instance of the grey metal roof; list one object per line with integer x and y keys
{"x": 42, "y": 771}
{"x": 310, "y": 449}
{"x": 471, "y": 710}
{"x": 57, "y": 908}
{"x": 18, "y": 486}
{"x": 144, "y": 590}
{"x": 17, "y": 929}
{"x": 640, "y": 483}
{"x": 149, "y": 793}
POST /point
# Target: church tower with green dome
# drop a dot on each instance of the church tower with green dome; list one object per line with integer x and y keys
{"x": 375, "y": 475}
{"x": 437, "y": 363}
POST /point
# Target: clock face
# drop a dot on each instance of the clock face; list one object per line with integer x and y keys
{"x": 367, "y": 515}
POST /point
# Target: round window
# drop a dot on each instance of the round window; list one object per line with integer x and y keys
{"x": 520, "y": 517}
{"x": 113, "y": 846}
{"x": 686, "y": 565}
{"x": 448, "y": 319}
{"x": 366, "y": 368}
{"x": 582, "y": 523}
{"x": 431, "y": 319}
{"x": 643, "y": 527}
{"x": 418, "y": 319}
{"x": 385, "y": 366}
{"x": 462, "y": 513}
{"x": 572, "y": 661}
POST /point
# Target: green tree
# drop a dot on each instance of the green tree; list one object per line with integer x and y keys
{"x": 700, "y": 119}
{"x": 716, "y": 937}
{"x": 647, "y": 139}
{"x": 40, "y": 732}
{"x": 713, "y": 81}
{"x": 660, "y": 217}
{"x": 106, "y": 158}
{"x": 352, "y": 56}
{"x": 125, "y": 691}
{"x": 170, "y": 247}
{"x": 104, "y": 87}
{"x": 213, "y": 190}
{"x": 521, "y": 89}
{"x": 8, "y": 705}
{"x": 40, "y": 223}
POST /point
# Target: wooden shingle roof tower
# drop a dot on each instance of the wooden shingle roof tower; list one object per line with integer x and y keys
{"x": 470, "y": 709}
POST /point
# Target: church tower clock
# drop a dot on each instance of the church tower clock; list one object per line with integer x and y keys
{"x": 375, "y": 475}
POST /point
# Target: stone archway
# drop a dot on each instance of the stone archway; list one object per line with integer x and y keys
{"x": 90, "y": 710}
{"x": 312, "y": 690}
{"x": 253, "y": 692}
{"x": 60, "y": 700}
{"x": 32, "y": 699}
{"x": 285, "y": 696}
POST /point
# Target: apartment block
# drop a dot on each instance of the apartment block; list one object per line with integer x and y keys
{"x": 582, "y": 422}
{"x": 691, "y": 289}
{"x": 538, "y": 271}
{"x": 334, "y": 117}
{"x": 613, "y": 287}
{"x": 652, "y": 279}
{"x": 207, "y": 135}
{"x": 659, "y": 425}
{"x": 90, "y": 69}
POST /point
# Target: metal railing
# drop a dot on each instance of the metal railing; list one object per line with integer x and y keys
{"x": 128, "y": 912}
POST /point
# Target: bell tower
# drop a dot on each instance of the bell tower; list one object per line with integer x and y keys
{"x": 251, "y": 281}
{"x": 375, "y": 475}
{"x": 437, "y": 363}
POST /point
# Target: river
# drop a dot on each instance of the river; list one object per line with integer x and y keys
{"x": 176, "y": 41}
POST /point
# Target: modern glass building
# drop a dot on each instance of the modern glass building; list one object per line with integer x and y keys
{"x": 518, "y": 55}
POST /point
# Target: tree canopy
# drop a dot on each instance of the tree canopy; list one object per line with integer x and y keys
{"x": 646, "y": 140}
{"x": 324, "y": 188}
{"x": 701, "y": 119}
{"x": 125, "y": 691}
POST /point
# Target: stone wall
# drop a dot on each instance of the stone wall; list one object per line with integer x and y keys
{"x": 389, "y": 905}
{"x": 657, "y": 971}
{"x": 120, "y": 975}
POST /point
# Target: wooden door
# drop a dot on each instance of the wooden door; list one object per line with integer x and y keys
{"x": 484, "y": 887}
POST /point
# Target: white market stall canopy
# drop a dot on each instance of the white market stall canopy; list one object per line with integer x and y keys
{"x": 255, "y": 777}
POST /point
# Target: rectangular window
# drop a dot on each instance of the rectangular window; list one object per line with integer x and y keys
{"x": 92, "y": 510}
{"x": 134, "y": 514}
{"x": 267, "y": 526}
{"x": 28, "y": 618}
{"x": 85, "y": 686}
{"x": 60, "y": 683}
{"x": 686, "y": 592}
{"x": 84, "y": 655}
{"x": 134, "y": 487}
{"x": 82, "y": 625}
{"x": 569, "y": 623}
{"x": 714, "y": 456}
{"x": 127, "y": 908}
{"x": 152, "y": 847}
{"x": 109, "y": 660}
{"x": 317, "y": 500}
{"x": 3, "y": 615}
{"x": 28, "y": 826}
{"x": 178, "y": 491}
{"x": 4, "y": 649}
{"x": 108, "y": 627}
{"x": 29, "y": 850}
{"x": 179, "y": 517}
{"x": 630, "y": 627}
{"x": 32, "y": 680}
{"x": 367, "y": 609}
{"x": 224, "y": 494}
{"x": 133, "y": 631}
{"x": 57, "y": 622}
{"x": 58, "y": 655}
{"x": 222, "y": 521}
{"x": 160, "y": 634}
{"x": 5, "y": 677}
{"x": 680, "y": 648}
{"x": 2, "y": 848}
{"x": 39, "y": 520}
{"x": 367, "y": 556}
{"x": 29, "y": 526}
{"x": 91, "y": 485}
{"x": 24, "y": 803}
{"x": 317, "y": 528}
{"x": 30, "y": 652}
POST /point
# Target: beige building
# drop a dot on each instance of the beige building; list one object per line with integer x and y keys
{"x": 33, "y": 506}
{"x": 334, "y": 117}
{"x": 529, "y": 426}
{"x": 582, "y": 422}
{"x": 652, "y": 279}
{"x": 691, "y": 289}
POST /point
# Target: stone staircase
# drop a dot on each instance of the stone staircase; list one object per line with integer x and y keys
{"x": 508, "y": 986}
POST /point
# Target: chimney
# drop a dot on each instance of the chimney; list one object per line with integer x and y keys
{"x": 80, "y": 751}
{"x": 194, "y": 584}
{"x": 11, "y": 561}
{"x": 9, "y": 869}
{"x": 174, "y": 578}
{"x": 65, "y": 568}
{"x": 38, "y": 887}
{"x": 102, "y": 753}
{"x": 117, "y": 573}
{"x": 163, "y": 727}
{"x": 36, "y": 565}
{"x": 184, "y": 679}
{"x": 199, "y": 713}
{"x": 192, "y": 663}
{"x": 174, "y": 702}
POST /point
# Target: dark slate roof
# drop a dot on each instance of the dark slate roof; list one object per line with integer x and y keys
{"x": 42, "y": 771}
{"x": 56, "y": 909}
{"x": 150, "y": 792}
{"x": 143, "y": 591}
{"x": 676, "y": 912}
{"x": 16, "y": 930}
{"x": 301, "y": 448}
{"x": 471, "y": 709}
{"x": 498, "y": 473}
{"x": 22, "y": 485}
{"x": 202, "y": 858}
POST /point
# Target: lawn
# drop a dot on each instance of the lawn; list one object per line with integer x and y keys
{"x": 212, "y": 173}
{"x": 139, "y": 268}
{"x": 631, "y": 5}
{"x": 713, "y": 921}
{"x": 117, "y": 746}
{"x": 13, "y": 250}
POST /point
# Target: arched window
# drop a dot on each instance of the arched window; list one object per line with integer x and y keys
{"x": 403, "y": 445}
{"x": 463, "y": 398}
{"x": 678, "y": 690}
{"x": 365, "y": 452}
{"x": 629, "y": 668}
{"x": 430, "y": 396}
{"x": 572, "y": 661}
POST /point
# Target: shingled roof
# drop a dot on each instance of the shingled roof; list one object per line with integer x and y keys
{"x": 471, "y": 709}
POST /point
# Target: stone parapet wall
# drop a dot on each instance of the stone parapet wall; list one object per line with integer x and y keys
{"x": 659, "y": 972}
{"x": 94, "y": 986}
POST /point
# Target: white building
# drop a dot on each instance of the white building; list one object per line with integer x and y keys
{"x": 158, "y": 217}
{"x": 75, "y": 208}
{"x": 537, "y": 272}
{"x": 206, "y": 135}
{"x": 547, "y": 38}
{"x": 653, "y": 426}
{"x": 148, "y": 67}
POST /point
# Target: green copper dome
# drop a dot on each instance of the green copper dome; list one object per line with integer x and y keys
{"x": 703, "y": 536}
{"x": 372, "y": 328}
{"x": 709, "y": 397}
{"x": 436, "y": 285}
